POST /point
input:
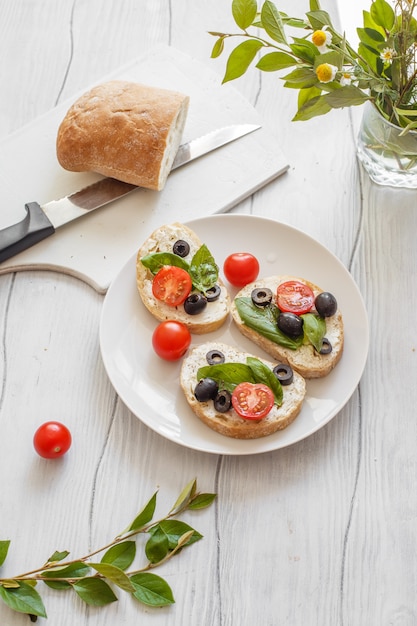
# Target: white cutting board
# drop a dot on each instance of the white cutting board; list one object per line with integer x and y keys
{"x": 94, "y": 248}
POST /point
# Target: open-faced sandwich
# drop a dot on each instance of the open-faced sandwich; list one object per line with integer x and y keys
{"x": 178, "y": 279}
{"x": 240, "y": 395}
{"x": 294, "y": 321}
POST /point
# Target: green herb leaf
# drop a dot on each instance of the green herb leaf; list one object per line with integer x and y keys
{"x": 175, "y": 529}
{"x": 301, "y": 78}
{"x": 151, "y": 589}
{"x": 185, "y": 496}
{"x": 349, "y": 95}
{"x": 244, "y": 12}
{"x": 4, "y": 549}
{"x": 156, "y": 261}
{"x": 23, "y": 599}
{"x": 217, "y": 48}
{"x": 264, "y": 321}
{"x": 272, "y": 22}
{"x": 314, "y": 329}
{"x": 94, "y": 591}
{"x": 201, "y": 501}
{"x": 319, "y": 19}
{"x": 78, "y": 569}
{"x": 157, "y": 546}
{"x": 145, "y": 516}
{"x": 274, "y": 61}
{"x": 312, "y": 108}
{"x": 115, "y": 574}
{"x": 305, "y": 49}
{"x": 263, "y": 374}
{"x": 58, "y": 556}
{"x": 240, "y": 58}
{"x": 383, "y": 14}
{"x": 120, "y": 555}
{"x": 228, "y": 375}
{"x": 203, "y": 269}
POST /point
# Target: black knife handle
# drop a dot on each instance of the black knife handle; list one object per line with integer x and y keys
{"x": 34, "y": 227}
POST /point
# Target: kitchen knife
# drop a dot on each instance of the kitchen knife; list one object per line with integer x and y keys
{"x": 42, "y": 221}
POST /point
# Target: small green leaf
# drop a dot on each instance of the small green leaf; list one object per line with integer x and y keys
{"x": 151, "y": 589}
{"x": 186, "y": 494}
{"x": 264, "y": 321}
{"x": 244, "y": 12}
{"x": 228, "y": 375}
{"x": 300, "y": 78}
{"x": 272, "y": 22}
{"x": 4, "y": 548}
{"x": 121, "y": 555}
{"x": 157, "y": 546}
{"x": 94, "y": 591}
{"x": 146, "y": 515}
{"x": 383, "y": 14}
{"x": 115, "y": 574}
{"x": 274, "y": 61}
{"x": 58, "y": 556}
{"x": 312, "y": 108}
{"x": 202, "y": 500}
{"x": 75, "y": 570}
{"x": 175, "y": 529}
{"x": 203, "y": 269}
{"x": 319, "y": 19}
{"x": 263, "y": 374}
{"x": 10, "y": 583}
{"x": 349, "y": 95}
{"x": 304, "y": 49}
{"x": 314, "y": 329}
{"x": 156, "y": 261}
{"x": 23, "y": 599}
{"x": 217, "y": 48}
{"x": 240, "y": 58}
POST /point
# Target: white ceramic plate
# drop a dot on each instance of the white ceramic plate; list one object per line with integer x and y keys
{"x": 149, "y": 386}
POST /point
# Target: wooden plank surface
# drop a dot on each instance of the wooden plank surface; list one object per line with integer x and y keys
{"x": 321, "y": 533}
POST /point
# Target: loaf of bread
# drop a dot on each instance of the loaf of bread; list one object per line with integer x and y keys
{"x": 230, "y": 423}
{"x": 305, "y": 359}
{"x": 163, "y": 240}
{"x": 124, "y": 130}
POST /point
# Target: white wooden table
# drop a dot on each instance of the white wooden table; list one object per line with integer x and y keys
{"x": 320, "y": 533}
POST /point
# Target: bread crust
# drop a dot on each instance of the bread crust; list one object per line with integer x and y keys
{"x": 124, "y": 130}
{"x": 305, "y": 360}
{"x": 230, "y": 423}
{"x": 162, "y": 240}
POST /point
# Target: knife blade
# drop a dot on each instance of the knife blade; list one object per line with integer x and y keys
{"x": 42, "y": 221}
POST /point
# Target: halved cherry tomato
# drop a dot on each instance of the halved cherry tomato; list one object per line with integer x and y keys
{"x": 51, "y": 440}
{"x": 252, "y": 401}
{"x": 294, "y": 297}
{"x": 171, "y": 285}
{"x": 241, "y": 268}
{"x": 171, "y": 340}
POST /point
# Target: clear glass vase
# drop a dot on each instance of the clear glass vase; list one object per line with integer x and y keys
{"x": 389, "y": 157}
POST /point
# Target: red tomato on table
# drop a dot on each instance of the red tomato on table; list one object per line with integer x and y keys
{"x": 51, "y": 440}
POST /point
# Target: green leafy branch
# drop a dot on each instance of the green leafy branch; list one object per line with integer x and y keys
{"x": 94, "y": 581}
{"x": 322, "y": 64}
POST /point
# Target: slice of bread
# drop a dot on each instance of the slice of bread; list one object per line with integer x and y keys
{"x": 230, "y": 423}
{"x": 305, "y": 360}
{"x": 162, "y": 240}
{"x": 124, "y": 130}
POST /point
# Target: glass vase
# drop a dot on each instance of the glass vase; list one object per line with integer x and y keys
{"x": 388, "y": 157}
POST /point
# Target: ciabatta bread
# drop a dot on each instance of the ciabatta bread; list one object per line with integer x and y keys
{"x": 124, "y": 130}
{"x": 230, "y": 423}
{"x": 305, "y": 360}
{"x": 163, "y": 240}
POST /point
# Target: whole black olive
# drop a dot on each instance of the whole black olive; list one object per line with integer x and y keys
{"x": 206, "y": 389}
{"x": 291, "y": 324}
{"x": 262, "y": 296}
{"x": 181, "y": 248}
{"x": 284, "y": 373}
{"x": 326, "y": 304}
{"x": 326, "y": 347}
{"x": 213, "y": 293}
{"x": 223, "y": 401}
{"x": 214, "y": 357}
{"x": 195, "y": 303}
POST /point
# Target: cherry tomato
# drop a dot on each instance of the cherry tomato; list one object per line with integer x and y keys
{"x": 241, "y": 268}
{"x": 252, "y": 401}
{"x": 171, "y": 285}
{"x": 51, "y": 440}
{"x": 294, "y": 297}
{"x": 171, "y": 340}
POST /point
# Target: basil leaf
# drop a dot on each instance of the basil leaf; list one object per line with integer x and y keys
{"x": 155, "y": 261}
{"x": 263, "y": 374}
{"x": 203, "y": 269}
{"x": 314, "y": 329}
{"x": 228, "y": 375}
{"x": 264, "y": 322}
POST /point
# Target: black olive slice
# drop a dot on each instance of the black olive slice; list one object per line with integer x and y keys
{"x": 223, "y": 401}
{"x": 214, "y": 357}
{"x": 284, "y": 373}
{"x": 290, "y": 324}
{"x": 213, "y": 293}
{"x": 262, "y": 296}
{"x": 326, "y": 347}
{"x": 195, "y": 303}
{"x": 206, "y": 389}
{"x": 326, "y": 304}
{"x": 181, "y": 248}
